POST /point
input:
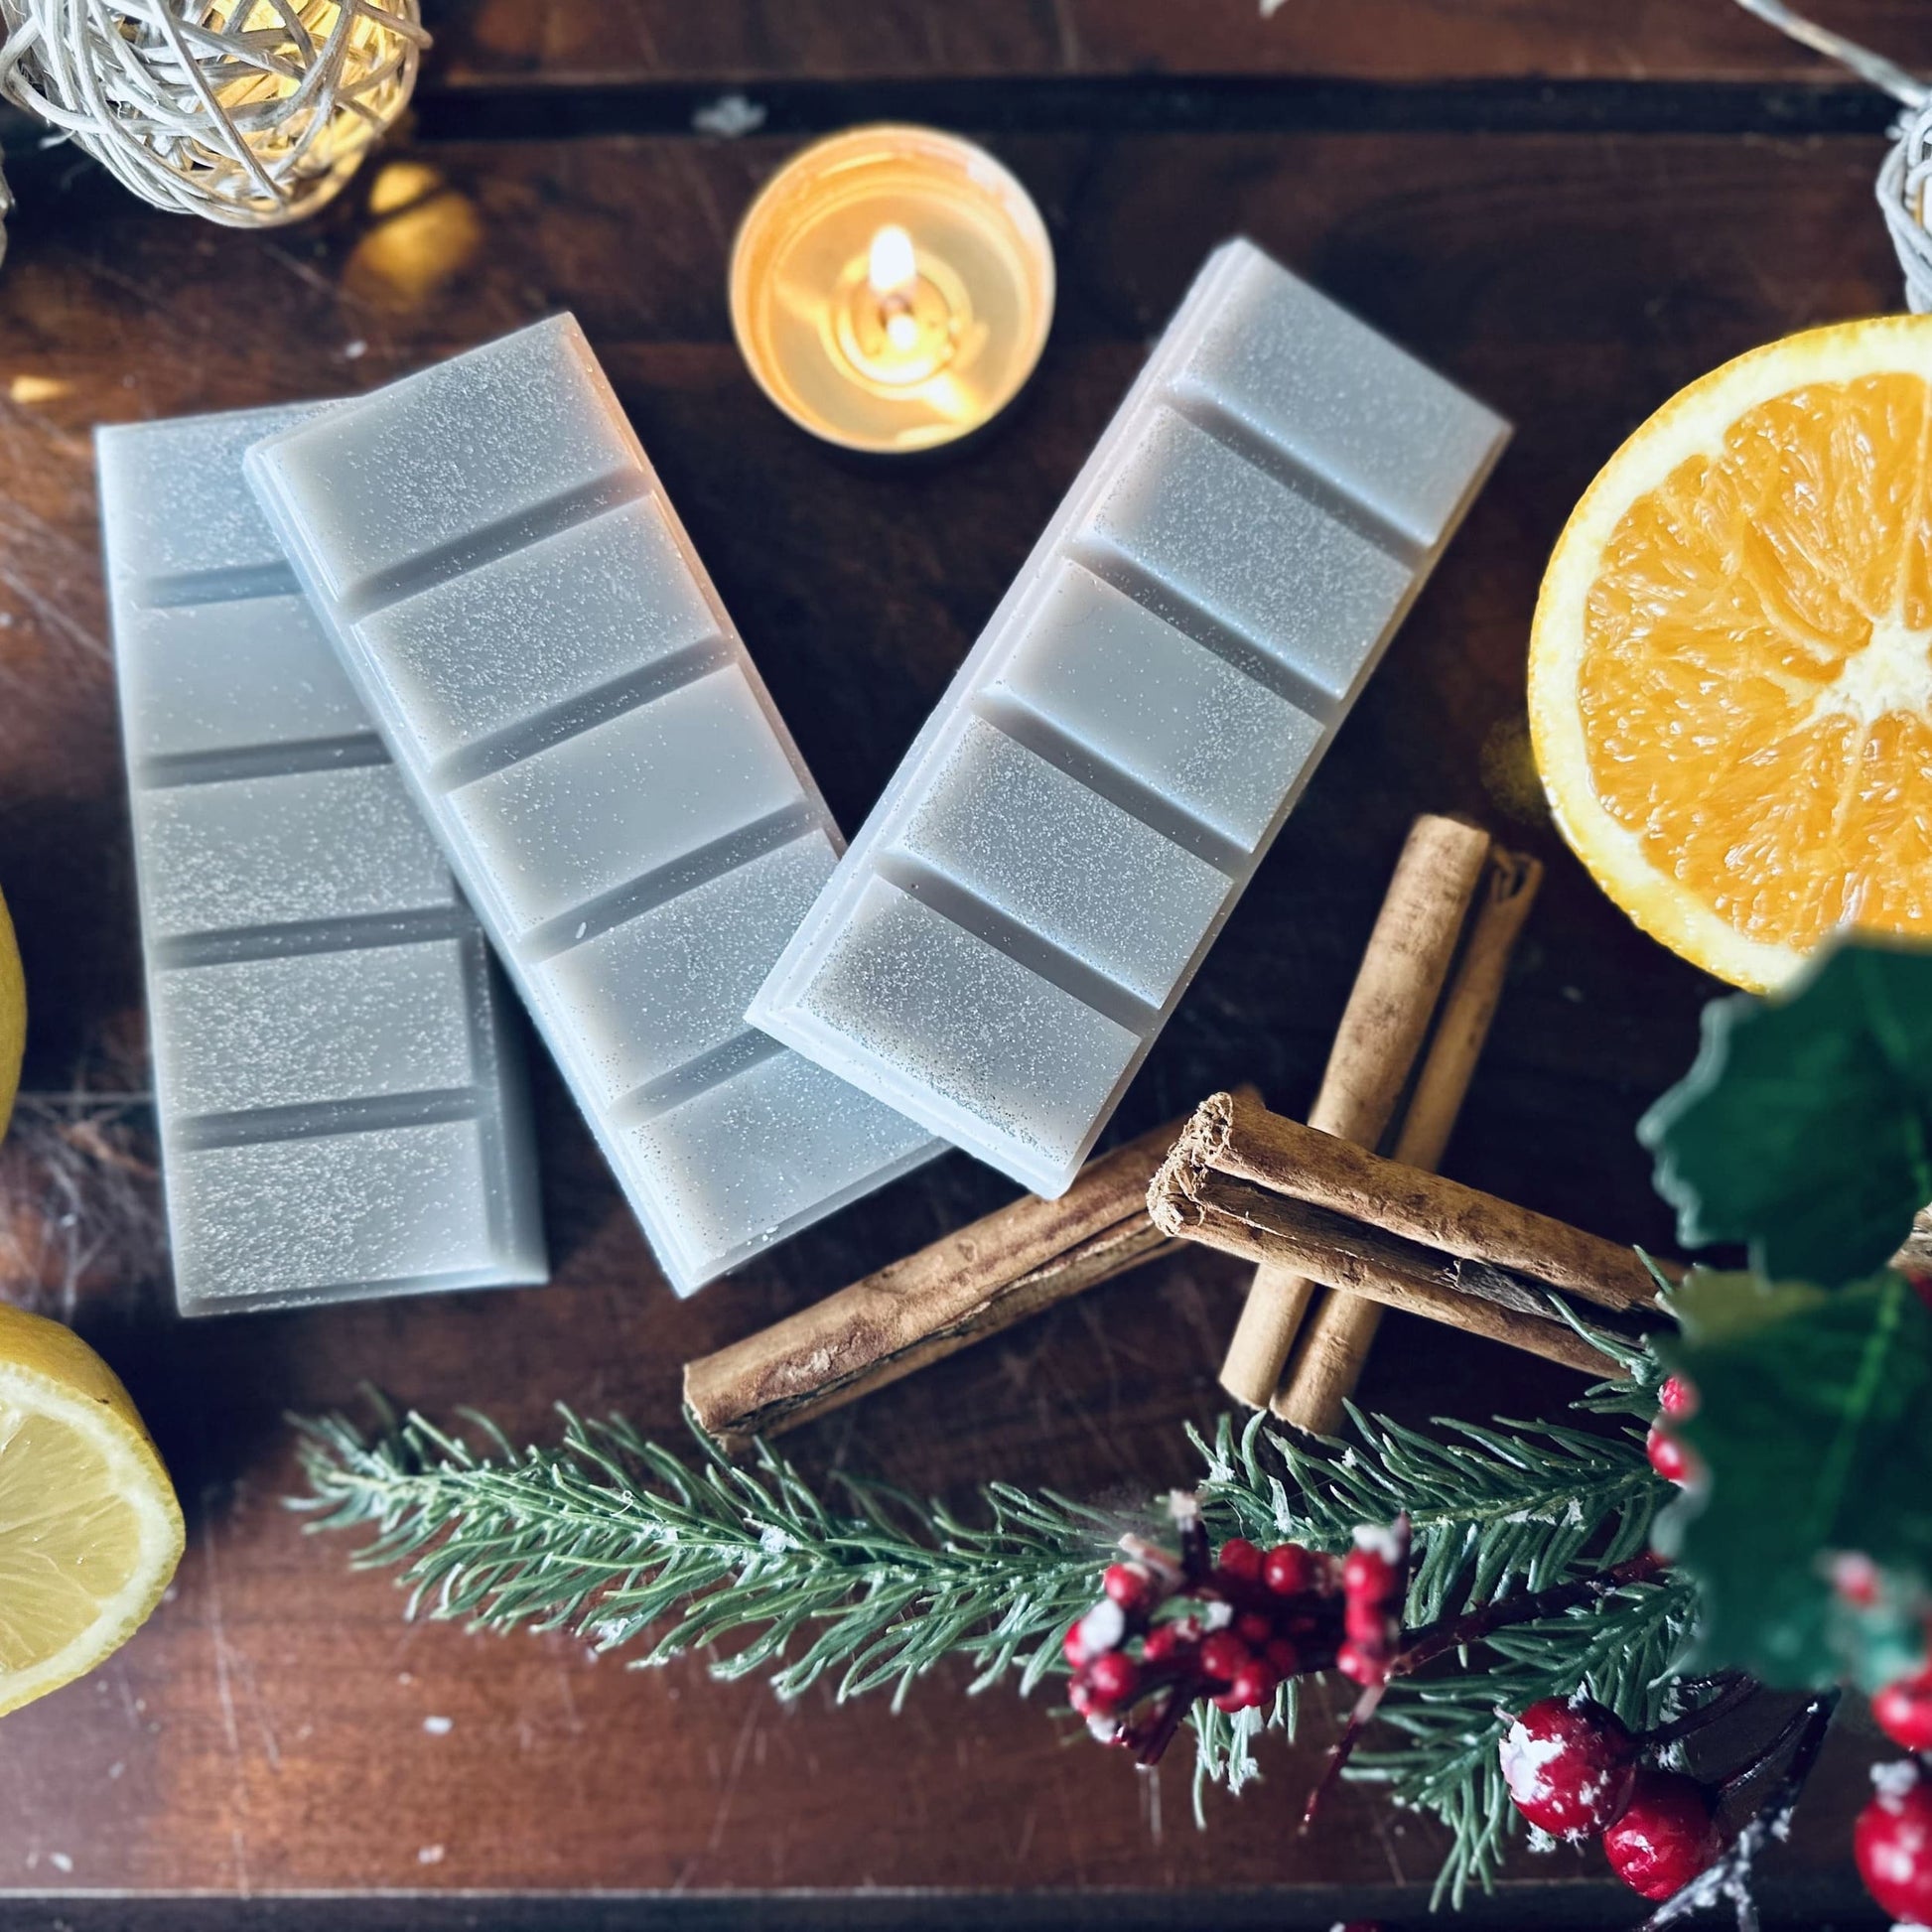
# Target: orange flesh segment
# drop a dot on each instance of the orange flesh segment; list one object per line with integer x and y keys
{"x": 1756, "y": 676}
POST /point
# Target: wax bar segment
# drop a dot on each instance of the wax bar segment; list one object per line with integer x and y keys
{"x": 341, "y": 1102}
{"x": 519, "y": 607}
{"x": 1027, "y": 903}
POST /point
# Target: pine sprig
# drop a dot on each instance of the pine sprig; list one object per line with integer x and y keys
{"x": 1494, "y": 1509}
{"x": 609, "y": 1534}
{"x": 619, "y": 1540}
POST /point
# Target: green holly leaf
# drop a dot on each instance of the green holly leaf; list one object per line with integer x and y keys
{"x": 1712, "y": 1307}
{"x": 1805, "y": 1127}
{"x": 1814, "y": 1425}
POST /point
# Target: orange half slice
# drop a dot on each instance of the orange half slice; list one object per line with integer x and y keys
{"x": 1730, "y": 666}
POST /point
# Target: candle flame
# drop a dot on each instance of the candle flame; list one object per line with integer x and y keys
{"x": 892, "y": 267}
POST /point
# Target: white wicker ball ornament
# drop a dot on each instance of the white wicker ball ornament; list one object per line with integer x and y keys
{"x": 1905, "y": 180}
{"x": 250, "y": 112}
{"x": 1905, "y": 195}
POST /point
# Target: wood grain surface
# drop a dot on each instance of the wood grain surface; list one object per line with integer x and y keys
{"x": 278, "y": 1736}
{"x": 1379, "y": 40}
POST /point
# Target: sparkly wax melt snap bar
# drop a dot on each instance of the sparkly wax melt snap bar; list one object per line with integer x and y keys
{"x": 523, "y": 615}
{"x": 343, "y": 1113}
{"x": 1024, "y": 909}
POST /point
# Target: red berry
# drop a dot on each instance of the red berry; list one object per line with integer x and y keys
{"x": 1222, "y": 1655}
{"x": 1666, "y": 1835}
{"x": 1281, "y": 1658}
{"x": 1254, "y": 1630}
{"x": 1130, "y": 1586}
{"x": 1905, "y": 1710}
{"x": 1240, "y": 1560}
{"x": 1101, "y": 1629}
{"x": 1570, "y": 1767}
{"x": 1080, "y": 1695}
{"x": 1677, "y": 1398}
{"x": 1892, "y": 1842}
{"x": 1368, "y": 1577}
{"x": 1670, "y": 1455}
{"x": 1112, "y": 1678}
{"x": 1362, "y": 1665}
{"x": 1366, "y": 1623}
{"x": 1288, "y": 1569}
{"x": 1253, "y": 1686}
{"x": 1163, "y": 1641}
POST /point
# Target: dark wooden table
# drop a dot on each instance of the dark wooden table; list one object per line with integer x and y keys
{"x": 1571, "y": 207}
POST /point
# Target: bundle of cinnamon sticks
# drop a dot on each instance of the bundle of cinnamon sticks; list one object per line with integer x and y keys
{"x": 1376, "y": 1232}
{"x": 1026, "y": 1257}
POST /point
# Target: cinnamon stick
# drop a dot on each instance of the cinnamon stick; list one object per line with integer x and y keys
{"x": 985, "y": 1277}
{"x": 1285, "y": 1195}
{"x": 1334, "y": 1349}
{"x": 1382, "y": 1030}
{"x": 1362, "y": 1262}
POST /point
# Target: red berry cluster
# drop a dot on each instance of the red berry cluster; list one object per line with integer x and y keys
{"x": 1573, "y": 1771}
{"x": 1892, "y": 1839}
{"x": 1893, "y": 1842}
{"x": 1230, "y": 1627}
{"x": 1904, "y": 1712}
{"x": 1670, "y": 1455}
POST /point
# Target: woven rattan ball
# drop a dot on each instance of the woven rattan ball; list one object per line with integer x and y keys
{"x": 250, "y": 112}
{"x": 1905, "y": 195}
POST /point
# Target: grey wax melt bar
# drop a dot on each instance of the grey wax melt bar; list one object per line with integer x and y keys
{"x": 342, "y": 1111}
{"x": 523, "y": 615}
{"x": 1046, "y": 869}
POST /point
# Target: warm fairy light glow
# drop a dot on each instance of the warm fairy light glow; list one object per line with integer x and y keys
{"x": 892, "y": 267}
{"x": 397, "y": 184}
{"x": 425, "y": 234}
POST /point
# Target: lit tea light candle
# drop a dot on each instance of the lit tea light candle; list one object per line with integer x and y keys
{"x": 892, "y": 288}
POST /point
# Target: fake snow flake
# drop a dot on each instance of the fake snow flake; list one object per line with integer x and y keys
{"x": 1379, "y": 1540}
{"x": 1102, "y": 1627}
{"x": 1524, "y": 1755}
{"x": 728, "y": 116}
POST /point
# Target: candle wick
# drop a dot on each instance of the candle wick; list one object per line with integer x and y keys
{"x": 892, "y": 267}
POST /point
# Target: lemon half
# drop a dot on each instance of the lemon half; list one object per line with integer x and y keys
{"x": 90, "y": 1531}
